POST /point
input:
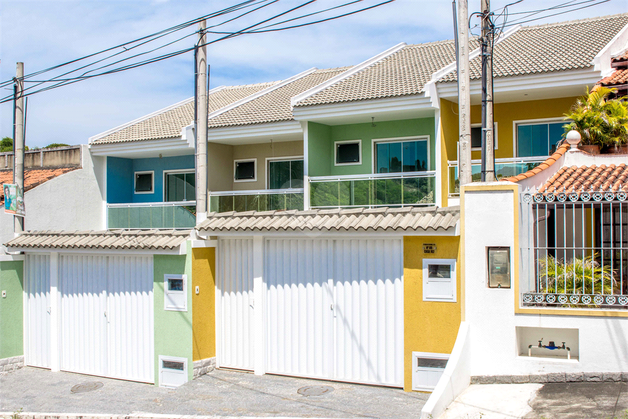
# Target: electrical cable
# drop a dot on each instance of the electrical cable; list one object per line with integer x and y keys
{"x": 64, "y": 82}
{"x": 519, "y": 22}
{"x": 155, "y": 35}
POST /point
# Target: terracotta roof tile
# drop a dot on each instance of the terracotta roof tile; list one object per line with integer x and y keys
{"x": 620, "y": 76}
{"x": 538, "y": 169}
{"x": 32, "y": 177}
{"x": 588, "y": 179}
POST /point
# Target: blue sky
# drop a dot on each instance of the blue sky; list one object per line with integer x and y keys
{"x": 45, "y": 33}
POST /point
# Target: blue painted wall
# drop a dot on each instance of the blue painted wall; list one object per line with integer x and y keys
{"x": 121, "y": 172}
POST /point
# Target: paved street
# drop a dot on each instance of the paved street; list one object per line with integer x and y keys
{"x": 220, "y": 393}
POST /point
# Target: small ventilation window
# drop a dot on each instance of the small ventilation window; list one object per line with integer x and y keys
{"x": 245, "y": 170}
{"x": 173, "y": 371}
{"x": 427, "y": 368}
{"x": 144, "y": 182}
{"x": 348, "y": 152}
{"x": 173, "y": 365}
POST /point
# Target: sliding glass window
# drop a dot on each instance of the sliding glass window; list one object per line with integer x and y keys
{"x": 402, "y": 156}
{"x": 285, "y": 174}
{"x": 180, "y": 187}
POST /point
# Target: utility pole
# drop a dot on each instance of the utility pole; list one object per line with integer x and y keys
{"x": 18, "y": 140}
{"x": 201, "y": 124}
{"x": 488, "y": 142}
{"x": 464, "y": 96}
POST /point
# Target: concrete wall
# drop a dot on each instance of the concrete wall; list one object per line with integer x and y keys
{"x": 430, "y": 326}
{"x": 11, "y": 307}
{"x": 53, "y": 157}
{"x": 220, "y": 167}
{"x": 203, "y": 303}
{"x": 173, "y": 329}
{"x": 490, "y": 218}
{"x": 72, "y": 201}
{"x": 121, "y": 172}
{"x": 321, "y": 140}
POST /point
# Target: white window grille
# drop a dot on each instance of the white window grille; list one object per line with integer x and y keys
{"x": 574, "y": 249}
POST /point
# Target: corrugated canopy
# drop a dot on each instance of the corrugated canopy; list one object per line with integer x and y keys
{"x": 101, "y": 240}
{"x": 341, "y": 220}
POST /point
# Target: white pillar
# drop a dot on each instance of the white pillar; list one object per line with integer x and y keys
{"x": 259, "y": 290}
{"x": 54, "y": 312}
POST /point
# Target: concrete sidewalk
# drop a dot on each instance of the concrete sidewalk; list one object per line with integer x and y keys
{"x": 586, "y": 400}
{"x": 220, "y": 393}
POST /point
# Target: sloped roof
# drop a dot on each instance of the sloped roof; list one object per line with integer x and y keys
{"x": 111, "y": 240}
{"x": 618, "y": 77}
{"x": 548, "y": 48}
{"x": 170, "y": 122}
{"x": 560, "y": 151}
{"x": 340, "y": 220}
{"x": 273, "y": 106}
{"x": 404, "y": 72}
{"x": 588, "y": 179}
{"x": 32, "y": 177}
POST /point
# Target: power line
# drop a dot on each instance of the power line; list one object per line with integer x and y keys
{"x": 247, "y": 30}
{"x": 519, "y": 21}
{"x": 155, "y": 35}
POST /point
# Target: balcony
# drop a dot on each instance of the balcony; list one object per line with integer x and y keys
{"x": 373, "y": 190}
{"x": 154, "y": 215}
{"x": 258, "y": 200}
{"x": 503, "y": 168}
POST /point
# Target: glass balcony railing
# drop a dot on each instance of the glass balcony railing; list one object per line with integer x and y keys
{"x": 503, "y": 168}
{"x": 373, "y": 190}
{"x": 260, "y": 200}
{"x": 157, "y": 215}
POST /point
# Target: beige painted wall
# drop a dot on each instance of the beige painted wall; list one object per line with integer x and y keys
{"x": 220, "y": 167}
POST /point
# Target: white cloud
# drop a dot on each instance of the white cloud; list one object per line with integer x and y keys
{"x": 48, "y": 32}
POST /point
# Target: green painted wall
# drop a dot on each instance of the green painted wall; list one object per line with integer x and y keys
{"x": 321, "y": 140}
{"x": 11, "y": 310}
{"x": 173, "y": 329}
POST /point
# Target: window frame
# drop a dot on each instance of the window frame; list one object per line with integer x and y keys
{"x": 152, "y": 179}
{"x": 454, "y": 279}
{"x": 335, "y": 152}
{"x": 516, "y": 123}
{"x": 167, "y": 172}
{"x": 268, "y": 160}
{"x": 495, "y": 136}
{"x": 376, "y": 141}
{"x": 235, "y": 164}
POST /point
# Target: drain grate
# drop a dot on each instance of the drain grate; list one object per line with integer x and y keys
{"x": 85, "y": 387}
{"x": 314, "y": 390}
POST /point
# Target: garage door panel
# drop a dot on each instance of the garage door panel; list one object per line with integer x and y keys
{"x": 130, "y": 318}
{"x": 37, "y": 291}
{"x": 82, "y": 285}
{"x": 299, "y": 305}
{"x": 236, "y": 303}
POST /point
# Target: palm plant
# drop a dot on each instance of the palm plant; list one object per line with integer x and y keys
{"x": 577, "y": 276}
{"x": 599, "y": 120}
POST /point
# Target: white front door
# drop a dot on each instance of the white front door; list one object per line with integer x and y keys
{"x": 37, "y": 310}
{"x": 235, "y": 305}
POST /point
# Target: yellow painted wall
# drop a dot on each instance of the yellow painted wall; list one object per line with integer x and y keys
{"x": 505, "y": 115}
{"x": 203, "y": 303}
{"x": 429, "y": 326}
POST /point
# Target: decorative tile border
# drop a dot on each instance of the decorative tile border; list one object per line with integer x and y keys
{"x": 204, "y": 366}
{"x": 11, "y": 364}
{"x": 554, "y": 299}
{"x": 555, "y": 377}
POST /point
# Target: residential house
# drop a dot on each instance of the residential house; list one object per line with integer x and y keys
{"x": 334, "y": 248}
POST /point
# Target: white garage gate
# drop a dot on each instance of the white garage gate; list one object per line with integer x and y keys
{"x": 37, "y": 311}
{"x": 334, "y": 308}
{"x": 105, "y": 315}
